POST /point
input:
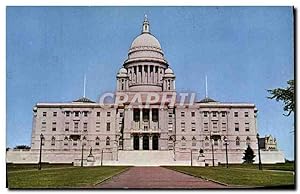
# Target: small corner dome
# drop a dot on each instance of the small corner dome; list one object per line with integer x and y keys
{"x": 169, "y": 71}
{"x": 145, "y": 40}
{"x": 122, "y": 71}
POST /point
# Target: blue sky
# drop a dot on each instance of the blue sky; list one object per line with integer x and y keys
{"x": 243, "y": 50}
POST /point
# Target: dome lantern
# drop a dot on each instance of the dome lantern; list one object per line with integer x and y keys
{"x": 146, "y": 25}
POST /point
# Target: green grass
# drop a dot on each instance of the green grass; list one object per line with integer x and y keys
{"x": 282, "y": 166}
{"x": 16, "y": 167}
{"x": 240, "y": 177}
{"x": 74, "y": 177}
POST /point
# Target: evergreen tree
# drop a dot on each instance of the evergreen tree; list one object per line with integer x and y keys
{"x": 249, "y": 155}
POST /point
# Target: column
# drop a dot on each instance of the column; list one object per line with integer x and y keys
{"x": 150, "y": 142}
{"x": 141, "y": 118}
{"x": 155, "y": 74}
{"x": 141, "y": 142}
{"x": 134, "y": 74}
{"x": 148, "y": 80}
{"x": 150, "y": 118}
{"x": 158, "y": 74}
{"x": 150, "y": 74}
{"x": 138, "y": 74}
{"x": 143, "y": 74}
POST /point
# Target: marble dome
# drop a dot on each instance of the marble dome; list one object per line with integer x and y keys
{"x": 145, "y": 40}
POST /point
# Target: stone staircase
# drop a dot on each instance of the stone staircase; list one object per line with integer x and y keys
{"x": 145, "y": 158}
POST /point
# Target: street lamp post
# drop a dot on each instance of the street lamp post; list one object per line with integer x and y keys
{"x": 212, "y": 150}
{"x": 101, "y": 157}
{"x": 259, "y": 159}
{"x": 226, "y": 143}
{"x": 191, "y": 157}
{"x": 82, "y": 146}
{"x": 41, "y": 144}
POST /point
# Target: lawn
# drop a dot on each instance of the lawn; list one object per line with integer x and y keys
{"x": 16, "y": 167}
{"x": 281, "y": 166}
{"x": 72, "y": 177}
{"x": 240, "y": 177}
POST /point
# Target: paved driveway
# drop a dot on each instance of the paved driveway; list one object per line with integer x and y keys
{"x": 156, "y": 177}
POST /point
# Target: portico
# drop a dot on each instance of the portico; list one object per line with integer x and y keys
{"x": 145, "y": 141}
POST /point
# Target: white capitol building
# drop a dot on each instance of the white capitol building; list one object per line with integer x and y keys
{"x": 145, "y": 125}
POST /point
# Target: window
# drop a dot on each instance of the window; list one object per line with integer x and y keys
{"x": 170, "y": 115}
{"x": 43, "y": 125}
{"x": 67, "y": 113}
{"x": 248, "y": 140}
{"x": 145, "y": 128}
{"x": 182, "y": 126}
{"x": 108, "y": 114}
{"x": 236, "y": 114}
{"x": 247, "y": 128}
{"x": 205, "y": 126}
{"x": 53, "y": 141}
{"x": 76, "y": 114}
{"x": 75, "y": 143}
{"x": 223, "y": 114}
{"x": 194, "y": 142}
{"x": 223, "y": 126}
{"x": 183, "y": 143}
{"x": 97, "y": 126}
{"x": 237, "y": 141}
{"x": 85, "y": 113}
{"x": 193, "y": 126}
{"x": 97, "y": 141}
{"x": 108, "y": 126}
{"x": 193, "y": 114}
{"x": 182, "y": 114}
{"x": 236, "y": 127}
{"x": 108, "y": 141}
{"x": 98, "y": 114}
{"x": 206, "y": 141}
{"x": 54, "y": 114}
{"x": 85, "y": 126}
{"x": 170, "y": 126}
{"x": 44, "y": 114}
{"x": 121, "y": 114}
{"x": 67, "y": 126}
{"x": 215, "y": 125}
{"x": 66, "y": 141}
{"x": 216, "y": 142}
{"x": 246, "y": 114}
{"x": 53, "y": 126}
{"x": 76, "y": 126}
{"x": 84, "y": 140}
{"x": 214, "y": 114}
{"x": 205, "y": 113}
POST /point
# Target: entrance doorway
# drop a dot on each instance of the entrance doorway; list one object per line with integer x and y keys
{"x": 146, "y": 142}
{"x": 155, "y": 142}
{"x": 136, "y": 142}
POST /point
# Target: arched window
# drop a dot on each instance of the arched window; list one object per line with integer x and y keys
{"x": 66, "y": 141}
{"x": 53, "y": 141}
{"x": 108, "y": 141}
{"x": 248, "y": 140}
{"x": 237, "y": 141}
{"x": 183, "y": 138}
{"x": 97, "y": 141}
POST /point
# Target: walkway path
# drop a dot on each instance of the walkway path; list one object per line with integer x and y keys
{"x": 156, "y": 177}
